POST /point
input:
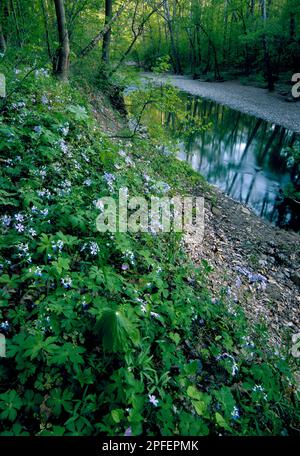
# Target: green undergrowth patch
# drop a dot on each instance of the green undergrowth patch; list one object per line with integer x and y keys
{"x": 113, "y": 333}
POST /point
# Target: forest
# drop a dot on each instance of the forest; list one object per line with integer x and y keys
{"x": 118, "y": 320}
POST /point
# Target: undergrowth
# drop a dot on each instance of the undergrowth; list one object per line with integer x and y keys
{"x": 114, "y": 333}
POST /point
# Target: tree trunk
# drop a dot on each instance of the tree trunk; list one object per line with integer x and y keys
{"x": 107, "y": 35}
{"x": 2, "y": 41}
{"x": 175, "y": 57}
{"x": 267, "y": 60}
{"x": 47, "y": 34}
{"x": 62, "y": 59}
{"x": 12, "y": 5}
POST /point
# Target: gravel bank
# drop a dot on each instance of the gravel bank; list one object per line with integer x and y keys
{"x": 257, "y": 263}
{"x": 256, "y": 102}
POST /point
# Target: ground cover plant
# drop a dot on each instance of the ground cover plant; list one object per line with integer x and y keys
{"x": 114, "y": 333}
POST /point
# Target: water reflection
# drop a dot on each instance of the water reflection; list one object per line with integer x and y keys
{"x": 241, "y": 155}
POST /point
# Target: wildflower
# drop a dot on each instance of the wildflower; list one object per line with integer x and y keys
{"x": 38, "y": 272}
{"x": 45, "y": 193}
{"x": 41, "y": 72}
{"x": 44, "y": 100}
{"x": 60, "y": 244}
{"x": 109, "y": 178}
{"x": 85, "y": 306}
{"x": 19, "y": 217}
{"x": 128, "y": 432}
{"x": 124, "y": 267}
{"x": 6, "y": 220}
{"x": 37, "y": 129}
{"x": 5, "y": 326}
{"x": 235, "y": 413}
{"x": 65, "y": 129}
{"x": 88, "y": 182}
{"x": 154, "y": 314}
{"x": 153, "y": 400}
{"x": 235, "y": 368}
{"x": 129, "y": 161}
{"x": 65, "y": 188}
{"x": 44, "y": 212}
{"x": 66, "y": 282}
{"x": 57, "y": 245}
{"x": 23, "y": 248}
{"x": 20, "y": 228}
{"x": 64, "y": 146}
{"x": 258, "y": 388}
{"x": 128, "y": 255}
{"x": 84, "y": 156}
{"x": 94, "y": 248}
{"x": 77, "y": 165}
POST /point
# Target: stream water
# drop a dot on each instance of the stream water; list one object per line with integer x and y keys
{"x": 241, "y": 155}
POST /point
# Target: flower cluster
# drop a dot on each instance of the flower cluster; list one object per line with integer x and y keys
{"x": 153, "y": 400}
{"x": 235, "y": 368}
{"x": 64, "y": 130}
{"x": 66, "y": 282}
{"x": 109, "y": 179}
{"x": 129, "y": 256}
{"x": 57, "y": 246}
{"x": 24, "y": 252}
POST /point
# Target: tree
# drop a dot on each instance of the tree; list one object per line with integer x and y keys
{"x": 107, "y": 34}
{"x": 62, "y": 57}
{"x": 267, "y": 60}
{"x": 2, "y": 41}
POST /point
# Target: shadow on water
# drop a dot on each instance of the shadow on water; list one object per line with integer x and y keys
{"x": 241, "y": 155}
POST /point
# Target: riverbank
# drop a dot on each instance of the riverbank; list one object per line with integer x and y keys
{"x": 254, "y": 101}
{"x": 256, "y": 264}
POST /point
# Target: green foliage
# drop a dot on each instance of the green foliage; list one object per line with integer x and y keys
{"x": 95, "y": 347}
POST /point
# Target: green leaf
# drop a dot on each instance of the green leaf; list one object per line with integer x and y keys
{"x": 10, "y": 403}
{"x": 117, "y": 415}
{"x": 78, "y": 111}
{"x": 221, "y": 421}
